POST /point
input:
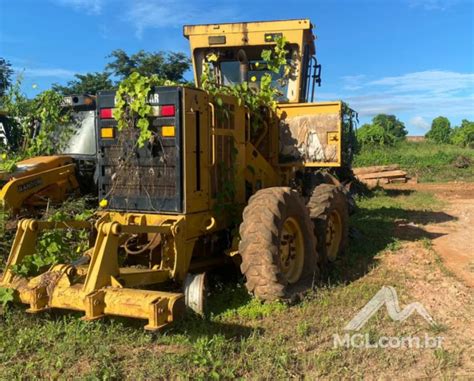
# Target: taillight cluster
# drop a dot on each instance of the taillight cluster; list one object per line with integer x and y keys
{"x": 168, "y": 131}
{"x": 163, "y": 111}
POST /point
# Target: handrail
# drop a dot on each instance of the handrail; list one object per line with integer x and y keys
{"x": 213, "y": 134}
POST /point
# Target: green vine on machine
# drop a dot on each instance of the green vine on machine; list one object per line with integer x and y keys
{"x": 133, "y": 111}
{"x": 131, "y": 107}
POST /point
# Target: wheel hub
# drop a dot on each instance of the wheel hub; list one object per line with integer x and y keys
{"x": 291, "y": 250}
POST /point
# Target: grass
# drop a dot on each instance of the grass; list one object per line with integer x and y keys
{"x": 427, "y": 161}
{"x": 241, "y": 337}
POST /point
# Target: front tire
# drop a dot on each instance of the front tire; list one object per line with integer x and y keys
{"x": 278, "y": 246}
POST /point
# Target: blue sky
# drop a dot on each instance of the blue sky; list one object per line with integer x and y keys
{"x": 412, "y": 58}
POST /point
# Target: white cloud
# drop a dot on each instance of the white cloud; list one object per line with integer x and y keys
{"x": 429, "y": 93}
{"x": 433, "y": 81}
{"x": 45, "y": 72}
{"x": 89, "y": 6}
{"x": 420, "y": 123}
{"x": 150, "y": 14}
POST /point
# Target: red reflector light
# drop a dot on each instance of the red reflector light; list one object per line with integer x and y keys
{"x": 106, "y": 113}
{"x": 167, "y": 110}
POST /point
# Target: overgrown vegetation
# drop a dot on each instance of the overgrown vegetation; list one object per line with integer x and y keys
{"x": 34, "y": 127}
{"x": 59, "y": 245}
{"x": 260, "y": 98}
{"x": 425, "y": 160}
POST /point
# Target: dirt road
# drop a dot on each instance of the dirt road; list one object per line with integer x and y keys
{"x": 453, "y": 238}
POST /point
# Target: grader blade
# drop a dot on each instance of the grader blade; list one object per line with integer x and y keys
{"x": 99, "y": 288}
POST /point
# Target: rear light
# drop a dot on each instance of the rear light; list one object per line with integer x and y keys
{"x": 107, "y": 133}
{"x": 167, "y": 110}
{"x": 106, "y": 113}
{"x": 167, "y": 131}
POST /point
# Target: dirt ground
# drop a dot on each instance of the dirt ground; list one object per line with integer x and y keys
{"x": 446, "y": 290}
{"x": 453, "y": 234}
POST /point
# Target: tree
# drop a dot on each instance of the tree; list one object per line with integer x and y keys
{"x": 464, "y": 135}
{"x": 89, "y": 83}
{"x": 440, "y": 131}
{"x": 374, "y": 134}
{"x": 167, "y": 65}
{"x": 6, "y": 73}
{"x": 391, "y": 125}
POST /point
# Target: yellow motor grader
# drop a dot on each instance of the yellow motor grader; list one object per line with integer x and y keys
{"x": 42, "y": 179}
{"x": 206, "y": 189}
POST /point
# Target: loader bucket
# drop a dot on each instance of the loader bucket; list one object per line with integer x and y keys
{"x": 96, "y": 284}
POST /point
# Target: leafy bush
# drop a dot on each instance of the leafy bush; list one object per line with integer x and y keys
{"x": 374, "y": 134}
{"x": 464, "y": 135}
{"x": 391, "y": 125}
{"x": 35, "y": 127}
{"x": 440, "y": 131}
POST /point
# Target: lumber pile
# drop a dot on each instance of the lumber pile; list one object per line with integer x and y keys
{"x": 381, "y": 174}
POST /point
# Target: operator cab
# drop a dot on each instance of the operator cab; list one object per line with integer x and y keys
{"x": 82, "y": 145}
{"x": 83, "y": 141}
{"x": 238, "y": 51}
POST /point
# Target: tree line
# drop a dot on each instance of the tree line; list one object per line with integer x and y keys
{"x": 169, "y": 65}
{"x": 387, "y": 130}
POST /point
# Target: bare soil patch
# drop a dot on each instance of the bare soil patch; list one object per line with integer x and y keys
{"x": 452, "y": 238}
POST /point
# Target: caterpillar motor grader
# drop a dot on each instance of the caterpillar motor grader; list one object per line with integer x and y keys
{"x": 205, "y": 189}
{"x": 42, "y": 179}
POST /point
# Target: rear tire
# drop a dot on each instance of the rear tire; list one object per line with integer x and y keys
{"x": 328, "y": 209}
{"x": 278, "y": 246}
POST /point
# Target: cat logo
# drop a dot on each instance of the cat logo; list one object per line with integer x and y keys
{"x": 29, "y": 185}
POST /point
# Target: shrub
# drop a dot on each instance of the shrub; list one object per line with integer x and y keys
{"x": 374, "y": 134}
{"x": 464, "y": 135}
{"x": 440, "y": 131}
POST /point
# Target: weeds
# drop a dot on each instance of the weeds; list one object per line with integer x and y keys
{"x": 425, "y": 160}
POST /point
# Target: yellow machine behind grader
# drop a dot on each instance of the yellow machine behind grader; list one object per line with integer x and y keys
{"x": 42, "y": 179}
{"x": 207, "y": 188}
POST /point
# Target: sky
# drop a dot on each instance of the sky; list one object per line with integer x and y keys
{"x": 410, "y": 58}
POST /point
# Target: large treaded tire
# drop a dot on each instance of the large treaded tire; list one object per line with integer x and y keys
{"x": 260, "y": 232}
{"x": 325, "y": 199}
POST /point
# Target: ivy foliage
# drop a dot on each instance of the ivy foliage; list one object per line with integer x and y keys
{"x": 131, "y": 106}
{"x": 256, "y": 98}
{"x": 133, "y": 111}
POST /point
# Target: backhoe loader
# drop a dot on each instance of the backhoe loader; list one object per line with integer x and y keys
{"x": 42, "y": 179}
{"x": 206, "y": 189}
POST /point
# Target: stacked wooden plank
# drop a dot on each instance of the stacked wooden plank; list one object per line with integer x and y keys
{"x": 381, "y": 174}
